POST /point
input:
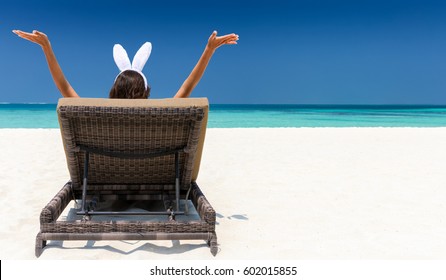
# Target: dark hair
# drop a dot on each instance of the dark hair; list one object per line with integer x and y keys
{"x": 129, "y": 85}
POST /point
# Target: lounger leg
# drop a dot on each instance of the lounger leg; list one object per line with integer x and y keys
{"x": 177, "y": 181}
{"x": 212, "y": 243}
{"x": 186, "y": 211}
{"x": 84, "y": 187}
{"x": 40, "y": 244}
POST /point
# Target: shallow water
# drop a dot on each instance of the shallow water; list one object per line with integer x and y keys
{"x": 245, "y": 116}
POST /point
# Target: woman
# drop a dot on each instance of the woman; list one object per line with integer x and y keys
{"x": 129, "y": 83}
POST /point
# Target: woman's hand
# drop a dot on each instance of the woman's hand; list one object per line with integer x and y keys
{"x": 35, "y": 37}
{"x": 214, "y": 42}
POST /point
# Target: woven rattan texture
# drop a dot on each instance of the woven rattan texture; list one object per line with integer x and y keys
{"x": 131, "y": 130}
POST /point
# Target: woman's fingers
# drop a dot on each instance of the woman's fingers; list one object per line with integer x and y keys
{"x": 23, "y": 34}
{"x": 19, "y": 33}
{"x": 35, "y": 37}
{"x": 213, "y": 35}
{"x": 234, "y": 36}
{"x": 230, "y": 39}
{"x": 39, "y": 33}
{"x": 27, "y": 37}
{"x": 35, "y": 33}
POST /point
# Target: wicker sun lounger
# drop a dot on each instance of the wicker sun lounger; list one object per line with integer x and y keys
{"x": 131, "y": 150}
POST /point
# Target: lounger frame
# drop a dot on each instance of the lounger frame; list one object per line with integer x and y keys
{"x": 173, "y": 179}
{"x": 52, "y": 229}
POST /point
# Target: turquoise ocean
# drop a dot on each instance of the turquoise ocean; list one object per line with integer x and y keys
{"x": 254, "y": 116}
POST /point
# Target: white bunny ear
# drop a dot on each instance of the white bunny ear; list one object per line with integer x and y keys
{"x": 121, "y": 58}
{"x": 141, "y": 56}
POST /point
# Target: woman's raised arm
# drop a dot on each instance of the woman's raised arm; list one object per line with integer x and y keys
{"x": 194, "y": 77}
{"x": 59, "y": 79}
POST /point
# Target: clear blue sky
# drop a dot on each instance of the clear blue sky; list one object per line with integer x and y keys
{"x": 300, "y": 52}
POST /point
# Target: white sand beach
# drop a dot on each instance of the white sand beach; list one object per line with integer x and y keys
{"x": 300, "y": 193}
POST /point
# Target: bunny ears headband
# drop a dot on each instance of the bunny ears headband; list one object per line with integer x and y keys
{"x": 123, "y": 62}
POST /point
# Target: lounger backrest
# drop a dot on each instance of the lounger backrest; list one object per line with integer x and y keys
{"x": 139, "y": 126}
